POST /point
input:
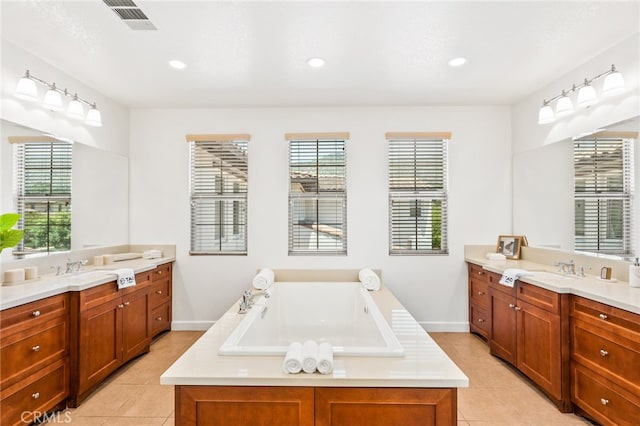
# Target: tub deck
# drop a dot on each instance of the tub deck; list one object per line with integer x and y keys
{"x": 213, "y": 389}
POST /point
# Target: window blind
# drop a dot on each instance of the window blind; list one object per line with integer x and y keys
{"x": 43, "y": 196}
{"x": 317, "y": 197}
{"x": 218, "y": 187}
{"x": 603, "y": 195}
{"x": 418, "y": 196}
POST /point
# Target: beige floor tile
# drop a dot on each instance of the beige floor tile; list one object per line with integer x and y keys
{"x": 150, "y": 401}
{"x": 169, "y": 422}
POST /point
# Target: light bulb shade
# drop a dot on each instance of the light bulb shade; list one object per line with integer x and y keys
{"x": 26, "y": 89}
{"x": 52, "y": 100}
{"x": 586, "y": 96}
{"x": 94, "y": 118}
{"x": 564, "y": 106}
{"x": 545, "y": 115}
{"x": 613, "y": 84}
{"x": 75, "y": 109}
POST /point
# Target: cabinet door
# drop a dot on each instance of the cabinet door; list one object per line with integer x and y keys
{"x": 100, "y": 344}
{"x": 136, "y": 329}
{"x": 539, "y": 355}
{"x": 502, "y": 338}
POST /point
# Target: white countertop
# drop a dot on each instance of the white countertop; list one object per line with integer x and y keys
{"x": 51, "y": 285}
{"x": 424, "y": 364}
{"x": 618, "y": 294}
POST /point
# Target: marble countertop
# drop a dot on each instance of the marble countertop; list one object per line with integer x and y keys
{"x": 51, "y": 284}
{"x": 618, "y": 294}
{"x": 424, "y": 365}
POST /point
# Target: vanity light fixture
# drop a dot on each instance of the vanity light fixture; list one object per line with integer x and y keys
{"x": 27, "y": 90}
{"x": 613, "y": 85}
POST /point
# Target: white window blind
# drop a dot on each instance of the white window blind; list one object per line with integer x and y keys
{"x": 417, "y": 196}
{"x": 317, "y": 197}
{"x": 603, "y": 195}
{"x": 219, "y": 180}
{"x": 43, "y": 196}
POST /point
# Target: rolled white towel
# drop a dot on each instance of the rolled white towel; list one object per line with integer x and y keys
{"x": 369, "y": 279}
{"x": 325, "y": 358}
{"x": 309, "y": 356}
{"x": 263, "y": 279}
{"x": 293, "y": 359}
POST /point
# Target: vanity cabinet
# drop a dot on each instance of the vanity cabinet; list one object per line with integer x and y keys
{"x": 34, "y": 349}
{"x": 111, "y": 327}
{"x": 605, "y": 362}
{"x": 161, "y": 290}
{"x": 526, "y": 326}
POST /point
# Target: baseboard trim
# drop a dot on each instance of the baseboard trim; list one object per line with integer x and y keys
{"x": 191, "y": 325}
{"x": 440, "y": 327}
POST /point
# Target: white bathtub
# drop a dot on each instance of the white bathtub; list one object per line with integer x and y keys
{"x": 343, "y": 314}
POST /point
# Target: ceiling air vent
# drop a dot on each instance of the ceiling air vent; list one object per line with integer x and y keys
{"x": 131, "y": 15}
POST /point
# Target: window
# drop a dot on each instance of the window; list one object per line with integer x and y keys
{"x": 317, "y": 194}
{"x": 43, "y": 195}
{"x": 219, "y": 179}
{"x": 418, "y": 193}
{"x": 603, "y": 190}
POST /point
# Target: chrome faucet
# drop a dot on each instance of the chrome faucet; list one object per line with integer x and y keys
{"x": 246, "y": 301}
{"x": 567, "y": 267}
{"x": 78, "y": 264}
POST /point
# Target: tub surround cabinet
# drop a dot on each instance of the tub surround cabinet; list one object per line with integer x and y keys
{"x": 314, "y": 406}
{"x": 34, "y": 346}
{"x": 526, "y": 326}
{"x": 605, "y": 362}
{"x": 111, "y": 327}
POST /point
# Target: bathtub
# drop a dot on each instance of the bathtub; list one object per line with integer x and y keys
{"x": 341, "y": 313}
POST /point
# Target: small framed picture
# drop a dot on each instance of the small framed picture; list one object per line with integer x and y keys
{"x": 510, "y": 245}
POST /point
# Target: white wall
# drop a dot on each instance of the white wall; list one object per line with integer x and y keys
{"x": 543, "y": 184}
{"x": 434, "y": 289}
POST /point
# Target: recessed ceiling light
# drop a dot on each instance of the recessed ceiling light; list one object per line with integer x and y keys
{"x": 456, "y": 62}
{"x": 316, "y": 62}
{"x": 179, "y": 65}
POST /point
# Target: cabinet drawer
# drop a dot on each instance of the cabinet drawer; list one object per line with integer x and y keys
{"x": 34, "y": 313}
{"x": 160, "y": 319}
{"x": 29, "y": 350}
{"x": 160, "y": 293}
{"x": 603, "y": 400}
{"x": 610, "y": 355}
{"x": 479, "y": 292}
{"x": 161, "y": 272}
{"x": 479, "y": 318}
{"x": 478, "y": 273}
{"x": 41, "y": 392}
{"x": 540, "y": 297}
{"x": 107, "y": 292}
{"x": 618, "y": 321}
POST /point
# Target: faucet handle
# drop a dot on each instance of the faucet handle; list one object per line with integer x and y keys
{"x": 57, "y": 268}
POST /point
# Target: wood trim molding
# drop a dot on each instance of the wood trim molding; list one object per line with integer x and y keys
{"x": 218, "y": 137}
{"x": 29, "y": 139}
{"x": 417, "y": 135}
{"x": 316, "y": 135}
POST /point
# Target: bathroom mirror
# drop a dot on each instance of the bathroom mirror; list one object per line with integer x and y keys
{"x": 543, "y": 191}
{"x": 99, "y": 191}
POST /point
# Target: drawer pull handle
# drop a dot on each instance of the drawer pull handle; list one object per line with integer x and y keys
{"x": 604, "y": 401}
{"x": 159, "y": 272}
{"x": 603, "y": 352}
{"x": 603, "y": 317}
{"x": 127, "y": 303}
{"x": 481, "y": 293}
{"x": 159, "y": 292}
{"x": 480, "y": 320}
{"x": 517, "y": 308}
{"x": 35, "y": 395}
{"x": 480, "y": 272}
{"x": 36, "y": 348}
{"x": 121, "y": 306}
{"x": 512, "y": 306}
{"x": 35, "y": 313}
{"x": 159, "y": 319}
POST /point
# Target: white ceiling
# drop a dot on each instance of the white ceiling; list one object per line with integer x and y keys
{"x": 377, "y": 53}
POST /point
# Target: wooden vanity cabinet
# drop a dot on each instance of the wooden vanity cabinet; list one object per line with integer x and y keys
{"x": 34, "y": 349}
{"x": 161, "y": 291}
{"x": 605, "y": 362}
{"x": 526, "y": 326}
{"x": 110, "y": 327}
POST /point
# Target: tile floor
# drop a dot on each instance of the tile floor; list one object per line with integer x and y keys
{"x": 498, "y": 395}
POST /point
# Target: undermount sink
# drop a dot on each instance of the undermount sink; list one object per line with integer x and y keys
{"x": 554, "y": 275}
{"x": 88, "y": 275}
